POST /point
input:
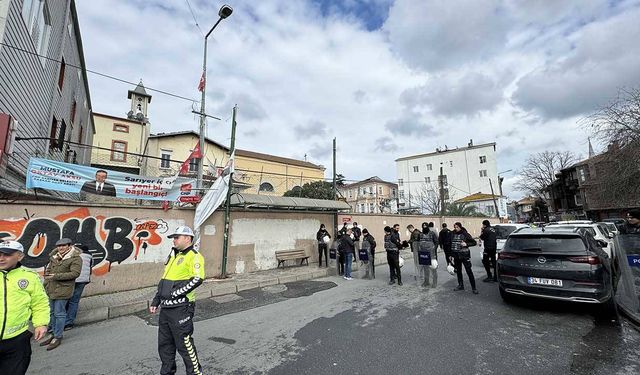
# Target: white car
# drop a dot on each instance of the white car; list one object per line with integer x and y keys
{"x": 599, "y": 233}
{"x": 611, "y": 227}
{"x": 504, "y": 230}
{"x": 565, "y": 222}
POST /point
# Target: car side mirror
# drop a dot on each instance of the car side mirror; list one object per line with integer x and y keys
{"x": 611, "y": 235}
{"x": 602, "y": 243}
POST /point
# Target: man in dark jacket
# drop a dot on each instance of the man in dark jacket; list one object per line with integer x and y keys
{"x": 632, "y": 226}
{"x": 60, "y": 276}
{"x": 488, "y": 238}
{"x": 368, "y": 242}
{"x": 322, "y": 245}
{"x": 392, "y": 245}
{"x": 444, "y": 239}
{"x": 461, "y": 240}
{"x": 357, "y": 233}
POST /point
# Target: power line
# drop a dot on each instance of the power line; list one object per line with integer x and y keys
{"x": 98, "y": 73}
{"x": 194, "y": 17}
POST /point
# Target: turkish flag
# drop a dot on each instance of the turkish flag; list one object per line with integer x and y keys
{"x": 196, "y": 154}
{"x": 184, "y": 168}
{"x": 201, "y": 83}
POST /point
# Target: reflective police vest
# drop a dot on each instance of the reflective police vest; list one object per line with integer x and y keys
{"x": 183, "y": 273}
{"x": 22, "y": 298}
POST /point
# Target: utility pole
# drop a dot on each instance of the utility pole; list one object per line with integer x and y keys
{"x": 494, "y": 199}
{"x": 441, "y": 183}
{"x": 335, "y": 190}
{"x": 224, "y": 12}
{"x": 232, "y": 149}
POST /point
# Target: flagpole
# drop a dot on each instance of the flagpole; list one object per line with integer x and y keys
{"x": 202, "y": 86}
{"x": 232, "y": 149}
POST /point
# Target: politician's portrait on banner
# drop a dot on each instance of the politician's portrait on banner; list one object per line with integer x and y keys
{"x": 73, "y": 178}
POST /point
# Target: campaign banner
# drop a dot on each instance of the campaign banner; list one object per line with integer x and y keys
{"x": 73, "y": 178}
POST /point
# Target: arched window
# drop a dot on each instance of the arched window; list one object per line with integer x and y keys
{"x": 265, "y": 186}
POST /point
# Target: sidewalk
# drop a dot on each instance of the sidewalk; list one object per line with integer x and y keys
{"x": 108, "y": 306}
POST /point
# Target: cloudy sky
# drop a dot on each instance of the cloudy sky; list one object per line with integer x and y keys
{"x": 387, "y": 78}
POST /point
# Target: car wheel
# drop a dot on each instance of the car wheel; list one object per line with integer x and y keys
{"x": 607, "y": 311}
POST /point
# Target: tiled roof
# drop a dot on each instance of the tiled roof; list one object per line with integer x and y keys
{"x": 478, "y": 197}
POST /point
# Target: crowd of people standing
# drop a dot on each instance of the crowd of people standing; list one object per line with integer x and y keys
{"x": 424, "y": 243}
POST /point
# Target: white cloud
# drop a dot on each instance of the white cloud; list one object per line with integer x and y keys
{"x": 452, "y": 94}
{"x": 604, "y": 57}
{"x": 434, "y": 35}
{"x": 508, "y": 71}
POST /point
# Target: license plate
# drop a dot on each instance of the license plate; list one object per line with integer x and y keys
{"x": 540, "y": 281}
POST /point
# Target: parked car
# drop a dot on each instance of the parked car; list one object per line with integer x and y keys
{"x": 611, "y": 227}
{"x": 504, "y": 230}
{"x": 601, "y": 234}
{"x": 616, "y": 221}
{"x": 567, "y": 265}
{"x": 570, "y": 222}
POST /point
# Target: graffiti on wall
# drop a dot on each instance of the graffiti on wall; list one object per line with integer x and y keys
{"x": 110, "y": 240}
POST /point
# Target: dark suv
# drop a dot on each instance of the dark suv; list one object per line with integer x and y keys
{"x": 560, "y": 264}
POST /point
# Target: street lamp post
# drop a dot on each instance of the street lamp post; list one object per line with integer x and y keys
{"x": 224, "y": 12}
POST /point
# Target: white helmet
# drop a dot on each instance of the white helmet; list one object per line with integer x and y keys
{"x": 326, "y": 239}
{"x": 451, "y": 270}
{"x": 434, "y": 264}
{"x": 401, "y": 262}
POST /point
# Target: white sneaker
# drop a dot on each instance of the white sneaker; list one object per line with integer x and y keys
{"x": 344, "y": 277}
{"x": 349, "y": 278}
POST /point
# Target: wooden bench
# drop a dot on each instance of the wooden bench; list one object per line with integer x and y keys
{"x": 284, "y": 255}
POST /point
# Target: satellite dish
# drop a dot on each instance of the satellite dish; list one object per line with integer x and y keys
{"x": 140, "y": 116}
{"x": 130, "y": 114}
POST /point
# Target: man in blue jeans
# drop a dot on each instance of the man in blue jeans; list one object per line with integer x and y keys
{"x": 59, "y": 281}
{"x": 349, "y": 250}
{"x": 81, "y": 282}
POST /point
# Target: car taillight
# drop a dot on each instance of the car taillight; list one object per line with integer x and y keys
{"x": 502, "y": 255}
{"x": 585, "y": 259}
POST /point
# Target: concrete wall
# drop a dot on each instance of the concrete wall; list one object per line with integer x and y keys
{"x": 129, "y": 244}
{"x": 256, "y": 236}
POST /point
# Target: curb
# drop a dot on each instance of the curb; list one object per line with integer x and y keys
{"x": 110, "y": 312}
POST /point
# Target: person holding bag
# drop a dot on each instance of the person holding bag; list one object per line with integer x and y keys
{"x": 323, "y": 238}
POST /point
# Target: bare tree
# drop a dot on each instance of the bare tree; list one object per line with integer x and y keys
{"x": 540, "y": 169}
{"x": 618, "y": 122}
{"x": 617, "y": 171}
{"x": 428, "y": 198}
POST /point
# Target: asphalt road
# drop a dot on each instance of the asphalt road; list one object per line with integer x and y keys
{"x": 334, "y": 326}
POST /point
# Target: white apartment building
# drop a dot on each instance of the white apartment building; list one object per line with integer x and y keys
{"x": 466, "y": 170}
